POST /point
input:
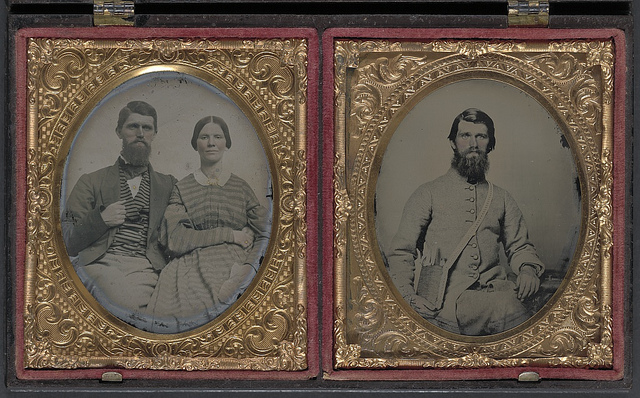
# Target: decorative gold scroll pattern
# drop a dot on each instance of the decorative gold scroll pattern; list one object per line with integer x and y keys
{"x": 267, "y": 329}
{"x": 371, "y": 323}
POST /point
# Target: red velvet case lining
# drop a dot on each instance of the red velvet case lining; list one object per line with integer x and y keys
{"x": 327, "y": 202}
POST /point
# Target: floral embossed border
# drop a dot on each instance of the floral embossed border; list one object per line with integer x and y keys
{"x": 374, "y": 329}
{"x": 267, "y": 330}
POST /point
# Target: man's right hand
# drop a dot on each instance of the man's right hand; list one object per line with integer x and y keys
{"x": 421, "y": 305}
{"x": 114, "y": 214}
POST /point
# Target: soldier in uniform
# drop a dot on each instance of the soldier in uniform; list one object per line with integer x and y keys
{"x": 453, "y": 229}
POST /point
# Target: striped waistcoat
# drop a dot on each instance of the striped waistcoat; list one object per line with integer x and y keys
{"x": 131, "y": 237}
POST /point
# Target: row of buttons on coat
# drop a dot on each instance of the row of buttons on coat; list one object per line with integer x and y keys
{"x": 474, "y": 254}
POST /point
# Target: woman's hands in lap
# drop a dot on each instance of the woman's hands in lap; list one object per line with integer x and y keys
{"x": 244, "y": 238}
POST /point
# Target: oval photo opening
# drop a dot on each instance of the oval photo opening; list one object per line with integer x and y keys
{"x": 166, "y": 202}
{"x": 478, "y": 207}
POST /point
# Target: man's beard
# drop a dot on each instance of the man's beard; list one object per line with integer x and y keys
{"x": 135, "y": 154}
{"x": 473, "y": 168}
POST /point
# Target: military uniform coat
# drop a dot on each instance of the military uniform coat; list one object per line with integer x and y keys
{"x": 441, "y": 212}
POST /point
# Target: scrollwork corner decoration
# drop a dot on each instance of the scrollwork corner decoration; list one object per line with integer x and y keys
{"x": 373, "y": 328}
{"x": 62, "y": 328}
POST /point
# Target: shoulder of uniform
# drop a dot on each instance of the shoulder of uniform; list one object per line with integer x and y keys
{"x": 499, "y": 190}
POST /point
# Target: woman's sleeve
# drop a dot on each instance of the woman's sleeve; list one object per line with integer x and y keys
{"x": 259, "y": 221}
{"x": 178, "y": 234}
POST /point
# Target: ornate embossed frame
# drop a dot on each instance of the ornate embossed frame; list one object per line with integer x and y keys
{"x": 265, "y": 73}
{"x": 376, "y": 80}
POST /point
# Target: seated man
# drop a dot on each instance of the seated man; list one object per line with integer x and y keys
{"x": 112, "y": 218}
{"x": 463, "y": 221}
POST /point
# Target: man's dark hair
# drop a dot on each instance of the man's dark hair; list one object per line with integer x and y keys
{"x": 139, "y": 107}
{"x": 475, "y": 116}
{"x": 203, "y": 122}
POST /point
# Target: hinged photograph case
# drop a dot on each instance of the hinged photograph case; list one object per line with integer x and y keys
{"x": 261, "y": 167}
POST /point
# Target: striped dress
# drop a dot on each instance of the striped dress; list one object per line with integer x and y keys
{"x": 197, "y": 232}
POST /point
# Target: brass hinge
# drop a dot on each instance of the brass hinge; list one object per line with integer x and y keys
{"x": 113, "y": 12}
{"x": 529, "y": 13}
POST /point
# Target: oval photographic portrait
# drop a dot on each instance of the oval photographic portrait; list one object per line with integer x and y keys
{"x": 166, "y": 202}
{"x": 477, "y": 207}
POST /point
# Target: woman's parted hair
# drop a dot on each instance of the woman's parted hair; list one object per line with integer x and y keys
{"x": 203, "y": 122}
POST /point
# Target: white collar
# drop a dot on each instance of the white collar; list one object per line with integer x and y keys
{"x": 202, "y": 179}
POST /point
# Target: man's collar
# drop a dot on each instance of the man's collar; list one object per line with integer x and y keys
{"x": 131, "y": 171}
{"x": 125, "y": 161}
{"x": 122, "y": 159}
{"x": 453, "y": 174}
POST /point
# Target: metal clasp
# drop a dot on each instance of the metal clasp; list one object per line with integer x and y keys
{"x": 112, "y": 377}
{"x": 113, "y": 12}
{"x": 529, "y": 13}
{"x": 529, "y": 377}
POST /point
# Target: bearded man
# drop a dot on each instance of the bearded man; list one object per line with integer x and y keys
{"x": 112, "y": 218}
{"x": 445, "y": 258}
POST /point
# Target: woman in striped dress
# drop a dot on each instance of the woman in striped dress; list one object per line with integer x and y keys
{"x": 215, "y": 231}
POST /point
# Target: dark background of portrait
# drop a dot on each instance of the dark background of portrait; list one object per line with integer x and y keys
{"x": 320, "y": 15}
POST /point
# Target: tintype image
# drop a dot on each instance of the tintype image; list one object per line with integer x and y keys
{"x": 166, "y": 202}
{"x": 477, "y": 210}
